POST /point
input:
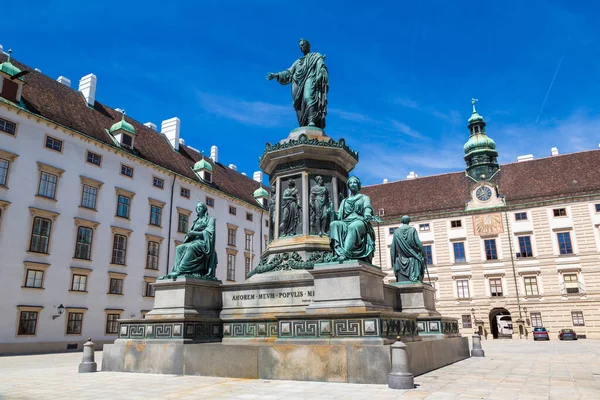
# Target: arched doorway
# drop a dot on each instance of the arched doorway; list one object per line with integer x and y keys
{"x": 501, "y": 323}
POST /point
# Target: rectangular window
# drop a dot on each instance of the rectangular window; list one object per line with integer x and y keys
{"x": 496, "y": 287}
{"x": 47, "y": 185}
{"x": 116, "y": 286}
{"x": 249, "y": 216}
{"x": 490, "y": 249}
{"x": 231, "y": 236}
{"x": 564, "y": 243}
{"x": 34, "y": 278}
{"x": 159, "y": 183}
{"x": 536, "y": 319}
{"x": 457, "y": 223}
{"x": 210, "y": 201}
{"x": 79, "y": 283}
{"x": 123, "y": 206}
{"x": 54, "y": 144}
{"x": 83, "y": 246}
{"x": 27, "y": 322}
{"x": 560, "y": 212}
{"x": 3, "y": 171}
{"x": 597, "y": 206}
{"x": 182, "y": 226}
{"x": 40, "y": 235}
{"x": 424, "y": 227}
{"x": 248, "y": 245}
{"x": 74, "y": 321}
{"x": 6, "y": 126}
{"x": 466, "y": 321}
{"x": 155, "y": 215}
{"x": 112, "y": 324}
{"x": 577, "y": 317}
{"x": 459, "y": 252}
{"x": 185, "y": 193}
{"x": 571, "y": 283}
{"x": 247, "y": 265}
{"x": 89, "y": 196}
{"x": 127, "y": 171}
{"x": 525, "y": 247}
{"x": 119, "y": 249}
{"x": 127, "y": 140}
{"x": 392, "y": 231}
{"x": 232, "y": 210}
{"x": 429, "y": 254}
{"x": 148, "y": 289}
{"x": 531, "y": 287}
{"x": 231, "y": 267}
{"x": 521, "y": 216}
{"x": 94, "y": 158}
{"x": 463, "y": 288}
{"x": 152, "y": 258}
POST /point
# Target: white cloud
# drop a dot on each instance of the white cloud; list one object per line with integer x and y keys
{"x": 407, "y": 130}
{"x": 254, "y": 113}
{"x": 351, "y": 116}
{"x": 451, "y": 116}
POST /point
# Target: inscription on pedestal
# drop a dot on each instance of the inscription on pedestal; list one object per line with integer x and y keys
{"x": 268, "y": 297}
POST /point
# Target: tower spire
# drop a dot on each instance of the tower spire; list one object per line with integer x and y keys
{"x": 481, "y": 155}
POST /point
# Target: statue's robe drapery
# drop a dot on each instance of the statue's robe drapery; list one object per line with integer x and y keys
{"x": 289, "y": 216}
{"x": 310, "y": 84}
{"x": 320, "y": 205}
{"x": 272, "y": 205}
{"x": 196, "y": 255}
{"x": 351, "y": 235}
{"x": 408, "y": 255}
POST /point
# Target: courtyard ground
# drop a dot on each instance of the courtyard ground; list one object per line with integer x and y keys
{"x": 512, "y": 369}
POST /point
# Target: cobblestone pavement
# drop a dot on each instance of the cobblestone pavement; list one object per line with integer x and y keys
{"x": 511, "y": 370}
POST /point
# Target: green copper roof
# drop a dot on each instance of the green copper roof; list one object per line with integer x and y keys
{"x": 124, "y": 125}
{"x": 202, "y": 164}
{"x": 479, "y": 141}
{"x": 475, "y": 117}
{"x": 261, "y": 192}
{"x": 8, "y": 68}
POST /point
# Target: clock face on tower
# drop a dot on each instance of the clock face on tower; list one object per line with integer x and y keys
{"x": 483, "y": 193}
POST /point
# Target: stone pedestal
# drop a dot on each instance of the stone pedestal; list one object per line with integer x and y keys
{"x": 417, "y": 298}
{"x": 349, "y": 287}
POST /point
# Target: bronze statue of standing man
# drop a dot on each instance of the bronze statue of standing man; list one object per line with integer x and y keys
{"x": 310, "y": 84}
{"x": 408, "y": 254}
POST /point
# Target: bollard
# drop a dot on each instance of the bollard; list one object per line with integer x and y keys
{"x": 477, "y": 350}
{"x": 87, "y": 363}
{"x": 400, "y": 377}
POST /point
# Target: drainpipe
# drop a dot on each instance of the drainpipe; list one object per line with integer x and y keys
{"x": 170, "y": 225}
{"x": 512, "y": 260}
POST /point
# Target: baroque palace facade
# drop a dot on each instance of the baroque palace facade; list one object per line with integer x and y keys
{"x": 92, "y": 206}
{"x": 519, "y": 240}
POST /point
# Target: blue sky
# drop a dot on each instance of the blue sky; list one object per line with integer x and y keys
{"x": 402, "y": 74}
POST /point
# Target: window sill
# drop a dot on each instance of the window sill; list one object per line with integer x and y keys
{"x": 35, "y": 253}
{"x": 538, "y": 297}
{"x": 111, "y": 334}
{"x": 88, "y": 209}
{"x": 27, "y": 335}
{"x": 78, "y": 291}
{"x": 567, "y": 255}
{"x": 125, "y": 218}
{"x": 115, "y": 294}
{"x": 148, "y": 297}
{"x": 3, "y": 187}
{"x": 82, "y": 259}
{"x": 155, "y": 226}
{"x": 53, "y": 199}
{"x": 72, "y": 334}
{"x": 151, "y": 269}
{"x": 33, "y": 288}
{"x": 118, "y": 265}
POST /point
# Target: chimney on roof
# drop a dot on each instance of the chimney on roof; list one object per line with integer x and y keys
{"x": 64, "y": 81}
{"x": 87, "y": 87}
{"x": 151, "y": 125}
{"x": 170, "y": 128}
{"x": 37, "y": 69}
{"x": 526, "y": 157}
{"x": 412, "y": 175}
{"x": 119, "y": 110}
{"x": 1, "y": 49}
{"x": 258, "y": 176}
{"x": 554, "y": 151}
{"x": 243, "y": 173}
{"x": 214, "y": 153}
{"x": 233, "y": 167}
{"x": 182, "y": 141}
{"x": 385, "y": 180}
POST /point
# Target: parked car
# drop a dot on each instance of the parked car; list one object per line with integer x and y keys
{"x": 567, "y": 334}
{"x": 540, "y": 333}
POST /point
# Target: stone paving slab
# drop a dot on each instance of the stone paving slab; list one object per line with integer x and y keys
{"x": 511, "y": 370}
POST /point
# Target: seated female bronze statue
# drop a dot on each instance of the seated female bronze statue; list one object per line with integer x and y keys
{"x": 351, "y": 235}
{"x": 196, "y": 255}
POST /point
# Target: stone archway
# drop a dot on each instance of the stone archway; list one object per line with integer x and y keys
{"x": 504, "y": 329}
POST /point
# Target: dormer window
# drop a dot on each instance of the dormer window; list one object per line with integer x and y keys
{"x": 11, "y": 81}
{"x": 203, "y": 169}
{"x": 123, "y": 133}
